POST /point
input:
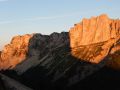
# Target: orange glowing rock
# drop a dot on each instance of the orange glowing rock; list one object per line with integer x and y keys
{"x": 15, "y": 52}
{"x": 92, "y": 39}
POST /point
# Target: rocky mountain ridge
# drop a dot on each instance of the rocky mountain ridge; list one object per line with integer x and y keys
{"x": 60, "y": 60}
{"x": 90, "y": 40}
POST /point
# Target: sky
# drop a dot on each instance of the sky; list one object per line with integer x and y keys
{"x": 18, "y": 17}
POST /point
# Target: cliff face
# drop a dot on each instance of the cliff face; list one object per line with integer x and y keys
{"x": 95, "y": 38}
{"x": 15, "y": 52}
{"x": 94, "y": 30}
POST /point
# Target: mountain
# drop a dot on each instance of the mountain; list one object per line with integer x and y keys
{"x": 66, "y": 60}
{"x": 95, "y": 38}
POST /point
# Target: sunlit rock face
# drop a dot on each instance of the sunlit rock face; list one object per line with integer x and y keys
{"x": 93, "y": 39}
{"x": 15, "y": 52}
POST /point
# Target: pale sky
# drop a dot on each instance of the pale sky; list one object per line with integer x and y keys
{"x": 19, "y": 17}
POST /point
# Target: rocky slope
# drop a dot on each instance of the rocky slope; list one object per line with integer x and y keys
{"x": 61, "y": 60}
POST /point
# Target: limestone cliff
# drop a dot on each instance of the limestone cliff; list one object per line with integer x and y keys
{"x": 95, "y": 38}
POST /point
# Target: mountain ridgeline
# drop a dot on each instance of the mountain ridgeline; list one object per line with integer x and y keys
{"x": 64, "y": 60}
